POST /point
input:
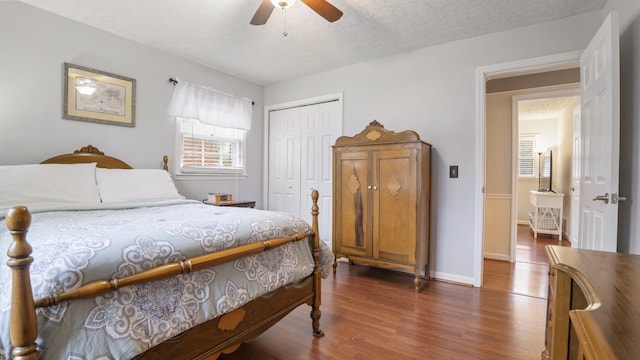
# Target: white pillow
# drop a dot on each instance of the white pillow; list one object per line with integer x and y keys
{"x": 135, "y": 185}
{"x": 48, "y": 183}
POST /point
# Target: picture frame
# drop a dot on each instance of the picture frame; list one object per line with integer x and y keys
{"x": 98, "y": 96}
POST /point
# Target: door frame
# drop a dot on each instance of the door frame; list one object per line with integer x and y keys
{"x": 576, "y": 170}
{"x": 484, "y": 73}
{"x": 265, "y": 131}
{"x": 564, "y": 90}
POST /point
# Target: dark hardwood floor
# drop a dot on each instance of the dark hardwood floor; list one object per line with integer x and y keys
{"x": 528, "y": 274}
{"x": 370, "y": 313}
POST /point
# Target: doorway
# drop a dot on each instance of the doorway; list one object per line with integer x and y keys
{"x": 599, "y": 131}
{"x": 543, "y": 157}
{"x": 524, "y": 113}
{"x": 522, "y": 123}
{"x": 500, "y": 159}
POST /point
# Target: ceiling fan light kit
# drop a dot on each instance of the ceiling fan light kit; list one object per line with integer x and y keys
{"x": 283, "y": 4}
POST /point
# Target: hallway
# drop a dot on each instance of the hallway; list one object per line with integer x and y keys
{"x": 528, "y": 275}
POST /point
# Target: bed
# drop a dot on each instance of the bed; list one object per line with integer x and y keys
{"x": 137, "y": 271}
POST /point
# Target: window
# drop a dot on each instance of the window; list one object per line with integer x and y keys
{"x": 526, "y": 158}
{"x": 211, "y": 128}
{"x": 210, "y": 149}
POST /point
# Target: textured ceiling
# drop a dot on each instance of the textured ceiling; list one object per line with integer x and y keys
{"x": 217, "y": 33}
{"x": 550, "y": 108}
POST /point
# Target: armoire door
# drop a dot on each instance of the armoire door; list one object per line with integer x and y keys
{"x": 394, "y": 204}
{"x": 351, "y": 231}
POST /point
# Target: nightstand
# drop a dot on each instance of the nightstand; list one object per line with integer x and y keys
{"x": 546, "y": 214}
{"x": 234, "y": 203}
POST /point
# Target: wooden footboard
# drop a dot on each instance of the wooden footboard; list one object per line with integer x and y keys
{"x": 206, "y": 341}
{"x": 224, "y": 334}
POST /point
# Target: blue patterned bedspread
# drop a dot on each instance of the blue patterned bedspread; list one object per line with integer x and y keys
{"x": 72, "y": 248}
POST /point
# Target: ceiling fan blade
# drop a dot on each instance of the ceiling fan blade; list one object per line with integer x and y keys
{"x": 324, "y": 9}
{"x": 262, "y": 14}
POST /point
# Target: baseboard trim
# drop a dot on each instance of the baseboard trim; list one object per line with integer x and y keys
{"x": 452, "y": 278}
{"x": 494, "y": 256}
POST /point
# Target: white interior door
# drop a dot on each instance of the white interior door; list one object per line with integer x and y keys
{"x": 600, "y": 135}
{"x": 575, "y": 180}
{"x": 322, "y": 124}
{"x": 300, "y": 155}
{"x": 284, "y": 162}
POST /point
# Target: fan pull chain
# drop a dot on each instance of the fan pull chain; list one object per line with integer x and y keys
{"x": 285, "y": 33}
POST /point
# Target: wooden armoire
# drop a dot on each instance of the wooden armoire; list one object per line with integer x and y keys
{"x": 381, "y": 192}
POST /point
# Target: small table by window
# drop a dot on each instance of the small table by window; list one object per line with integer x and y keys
{"x": 546, "y": 213}
{"x": 234, "y": 203}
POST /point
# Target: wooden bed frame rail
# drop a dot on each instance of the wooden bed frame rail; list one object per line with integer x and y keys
{"x": 23, "y": 306}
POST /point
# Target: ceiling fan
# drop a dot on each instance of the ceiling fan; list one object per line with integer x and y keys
{"x": 322, "y": 7}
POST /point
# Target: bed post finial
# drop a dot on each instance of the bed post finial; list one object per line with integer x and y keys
{"x": 23, "y": 328}
{"x": 165, "y": 160}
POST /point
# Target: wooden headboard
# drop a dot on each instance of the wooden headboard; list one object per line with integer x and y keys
{"x": 89, "y": 154}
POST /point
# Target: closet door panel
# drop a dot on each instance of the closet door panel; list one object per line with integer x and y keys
{"x": 321, "y": 124}
{"x": 284, "y": 163}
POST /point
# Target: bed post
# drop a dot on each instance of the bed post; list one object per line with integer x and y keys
{"x": 23, "y": 313}
{"x": 315, "y": 307}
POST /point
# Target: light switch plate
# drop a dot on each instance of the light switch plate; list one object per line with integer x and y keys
{"x": 453, "y": 171}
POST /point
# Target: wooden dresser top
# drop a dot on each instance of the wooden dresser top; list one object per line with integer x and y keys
{"x": 611, "y": 285}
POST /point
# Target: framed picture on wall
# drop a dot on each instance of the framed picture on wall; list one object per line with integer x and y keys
{"x": 98, "y": 96}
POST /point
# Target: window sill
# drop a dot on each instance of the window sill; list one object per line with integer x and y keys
{"x": 204, "y": 177}
{"x": 528, "y": 179}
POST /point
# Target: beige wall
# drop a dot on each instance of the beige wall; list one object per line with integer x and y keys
{"x": 497, "y": 226}
{"x": 498, "y": 147}
{"x": 497, "y": 217}
{"x": 498, "y": 177}
{"x": 497, "y": 202}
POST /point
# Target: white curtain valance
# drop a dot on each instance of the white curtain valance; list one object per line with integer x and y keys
{"x": 210, "y": 106}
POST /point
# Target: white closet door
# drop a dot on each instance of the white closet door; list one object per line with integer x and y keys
{"x": 322, "y": 124}
{"x": 284, "y": 162}
{"x": 300, "y": 140}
